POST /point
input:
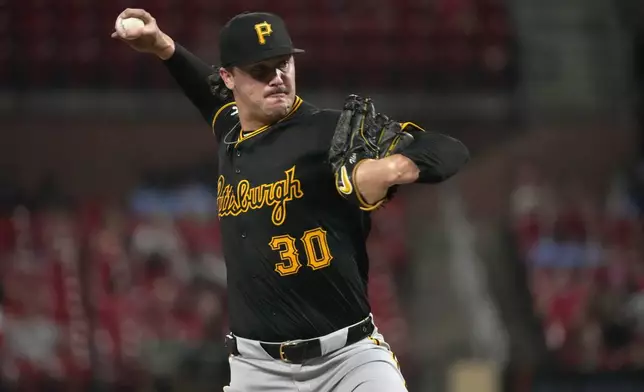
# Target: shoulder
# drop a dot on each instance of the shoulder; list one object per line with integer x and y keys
{"x": 325, "y": 121}
{"x": 225, "y": 118}
{"x": 319, "y": 118}
{"x": 328, "y": 115}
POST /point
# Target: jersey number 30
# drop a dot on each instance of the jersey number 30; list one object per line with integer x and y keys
{"x": 316, "y": 248}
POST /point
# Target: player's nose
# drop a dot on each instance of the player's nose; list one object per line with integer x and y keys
{"x": 278, "y": 78}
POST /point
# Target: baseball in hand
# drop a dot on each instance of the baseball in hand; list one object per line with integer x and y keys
{"x": 131, "y": 26}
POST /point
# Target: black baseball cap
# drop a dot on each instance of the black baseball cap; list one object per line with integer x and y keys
{"x": 251, "y": 37}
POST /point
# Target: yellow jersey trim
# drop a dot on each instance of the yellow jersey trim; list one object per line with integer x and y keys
{"x": 296, "y": 105}
{"x": 408, "y": 123}
{"x": 364, "y": 206}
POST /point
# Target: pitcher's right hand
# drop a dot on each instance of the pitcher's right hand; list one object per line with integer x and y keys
{"x": 148, "y": 39}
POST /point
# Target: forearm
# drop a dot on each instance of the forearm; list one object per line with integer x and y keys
{"x": 437, "y": 156}
{"x": 374, "y": 178}
{"x": 431, "y": 158}
{"x": 192, "y": 74}
{"x": 165, "y": 46}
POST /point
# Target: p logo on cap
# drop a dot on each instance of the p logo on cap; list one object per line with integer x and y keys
{"x": 263, "y": 29}
{"x": 251, "y": 37}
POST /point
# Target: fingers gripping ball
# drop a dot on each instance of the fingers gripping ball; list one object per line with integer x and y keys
{"x": 131, "y": 26}
{"x": 361, "y": 134}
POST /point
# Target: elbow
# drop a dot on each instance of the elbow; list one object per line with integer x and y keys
{"x": 459, "y": 156}
{"x": 452, "y": 158}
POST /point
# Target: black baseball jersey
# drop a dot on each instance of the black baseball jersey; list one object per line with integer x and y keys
{"x": 295, "y": 250}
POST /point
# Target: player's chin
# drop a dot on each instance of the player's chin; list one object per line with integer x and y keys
{"x": 277, "y": 107}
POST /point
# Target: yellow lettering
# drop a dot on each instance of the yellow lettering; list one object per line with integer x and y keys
{"x": 263, "y": 30}
{"x": 231, "y": 202}
{"x": 242, "y": 192}
{"x": 294, "y": 187}
{"x": 257, "y": 197}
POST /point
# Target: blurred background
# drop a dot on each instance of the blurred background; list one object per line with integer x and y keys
{"x": 523, "y": 273}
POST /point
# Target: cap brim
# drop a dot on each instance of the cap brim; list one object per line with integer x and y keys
{"x": 269, "y": 54}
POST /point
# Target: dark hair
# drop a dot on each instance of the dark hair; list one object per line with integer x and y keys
{"x": 218, "y": 87}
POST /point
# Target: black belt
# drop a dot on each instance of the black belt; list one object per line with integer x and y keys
{"x": 299, "y": 351}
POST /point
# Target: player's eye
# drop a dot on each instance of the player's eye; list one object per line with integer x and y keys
{"x": 259, "y": 72}
{"x": 283, "y": 66}
{"x": 264, "y": 72}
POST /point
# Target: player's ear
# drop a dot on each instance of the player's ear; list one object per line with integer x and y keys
{"x": 227, "y": 77}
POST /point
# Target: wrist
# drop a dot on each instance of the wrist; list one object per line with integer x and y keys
{"x": 371, "y": 185}
{"x": 165, "y": 46}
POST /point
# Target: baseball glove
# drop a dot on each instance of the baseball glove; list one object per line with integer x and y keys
{"x": 361, "y": 134}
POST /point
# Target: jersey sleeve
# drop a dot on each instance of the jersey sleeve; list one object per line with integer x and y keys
{"x": 224, "y": 120}
{"x": 327, "y": 119}
{"x": 437, "y": 156}
{"x": 192, "y": 74}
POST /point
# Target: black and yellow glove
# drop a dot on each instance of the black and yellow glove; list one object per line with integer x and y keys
{"x": 361, "y": 134}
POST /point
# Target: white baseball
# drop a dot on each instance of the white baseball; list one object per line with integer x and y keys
{"x": 131, "y": 25}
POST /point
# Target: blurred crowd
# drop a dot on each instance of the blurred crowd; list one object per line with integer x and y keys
{"x": 455, "y": 43}
{"x": 134, "y": 294}
{"x": 583, "y": 252}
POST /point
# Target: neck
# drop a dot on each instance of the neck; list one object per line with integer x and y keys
{"x": 250, "y": 124}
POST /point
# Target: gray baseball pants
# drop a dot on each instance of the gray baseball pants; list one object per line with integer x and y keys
{"x": 366, "y": 366}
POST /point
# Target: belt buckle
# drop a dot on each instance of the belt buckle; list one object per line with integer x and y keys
{"x": 282, "y": 354}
